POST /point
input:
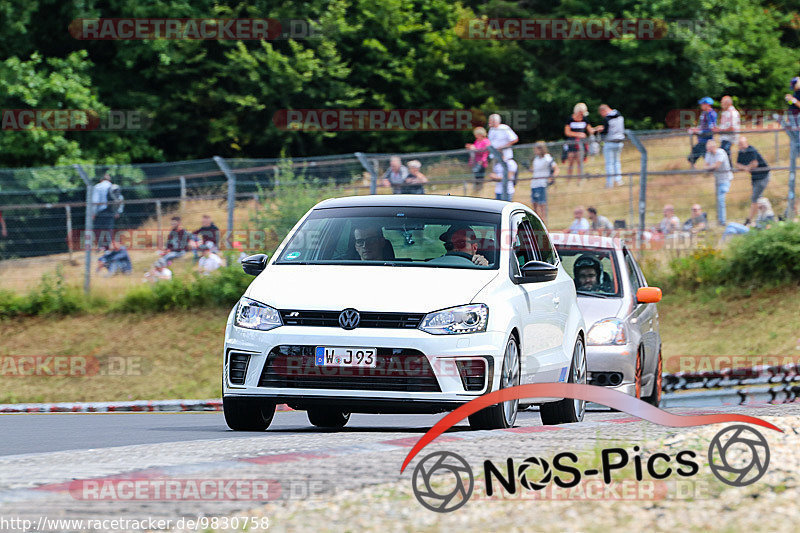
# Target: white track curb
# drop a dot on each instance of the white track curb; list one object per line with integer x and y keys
{"x": 164, "y": 406}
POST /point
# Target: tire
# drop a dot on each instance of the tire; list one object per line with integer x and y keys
{"x": 654, "y": 398}
{"x": 568, "y": 410}
{"x": 327, "y": 417}
{"x": 502, "y": 415}
{"x": 248, "y": 414}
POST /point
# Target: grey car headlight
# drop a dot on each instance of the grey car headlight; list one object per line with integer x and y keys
{"x": 470, "y": 318}
{"x": 251, "y": 314}
{"x": 609, "y": 331}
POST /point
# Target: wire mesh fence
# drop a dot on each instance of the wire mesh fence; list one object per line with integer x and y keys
{"x": 44, "y": 210}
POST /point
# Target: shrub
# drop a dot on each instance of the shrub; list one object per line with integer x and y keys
{"x": 51, "y": 296}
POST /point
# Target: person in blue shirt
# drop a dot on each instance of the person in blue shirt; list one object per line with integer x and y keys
{"x": 116, "y": 259}
{"x": 704, "y": 129}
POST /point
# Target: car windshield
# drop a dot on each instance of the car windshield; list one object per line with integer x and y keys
{"x": 594, "y": 270}
{"x": 396, "y": 236}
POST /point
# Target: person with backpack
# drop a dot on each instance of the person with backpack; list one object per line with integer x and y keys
{"x": 106, "y": 208}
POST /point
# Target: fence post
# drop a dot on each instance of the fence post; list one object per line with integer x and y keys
{"x": 793, "y": 149}
{"x": 182, "y": 180}
{"x": 89, "y": 222}
{"x": 373, "y": 174}
{"x": 642, "y": 185}
{"x": 231, "y": 177}
{"x": 159, "y": 240}
{"x": 777, "y": 148}
{"x": 581, "y": 155}
{"x": 68, "y": 210}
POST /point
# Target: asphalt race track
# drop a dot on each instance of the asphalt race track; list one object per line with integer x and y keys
{"x": 43, "y": 456}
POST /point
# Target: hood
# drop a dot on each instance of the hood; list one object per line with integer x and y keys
{"x": 367, "y": 288}
{"x": 595, "y": 309}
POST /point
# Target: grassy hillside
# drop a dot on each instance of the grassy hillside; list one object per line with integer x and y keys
{"x": 178, "y": 354}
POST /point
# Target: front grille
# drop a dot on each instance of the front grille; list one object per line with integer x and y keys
{"x": 397, "y": 369}
{"x": 473, "y": 373}
{"x": 297, "y": 317}
{"x": 237, "y": 367}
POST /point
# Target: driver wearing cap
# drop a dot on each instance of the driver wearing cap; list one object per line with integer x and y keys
{"x": 461, "y": 241}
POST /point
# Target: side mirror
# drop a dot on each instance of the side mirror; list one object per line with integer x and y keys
{"x": 255, "y": 264}
{"x": 648, "y": 295}
{"x": 536, "y": 271}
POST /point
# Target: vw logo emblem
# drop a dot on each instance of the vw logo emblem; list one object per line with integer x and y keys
{"x": 349, "y": 319}
{"x": 738, "y": 455}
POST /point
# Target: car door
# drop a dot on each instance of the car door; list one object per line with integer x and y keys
{"x": 540, "y": 353}
{"x": 644, "y": 315}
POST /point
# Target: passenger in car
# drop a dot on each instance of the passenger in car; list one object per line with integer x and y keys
{"x": 370, "y": 244}
{"x": 587, "y": 272}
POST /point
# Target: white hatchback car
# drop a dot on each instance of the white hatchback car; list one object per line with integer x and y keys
{"x": 404, "y": 304}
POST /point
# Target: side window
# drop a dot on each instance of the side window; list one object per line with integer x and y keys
{"x": 632, "y": 274}
{"x": 524, "y": 246}
{"x": 543, "y": 243}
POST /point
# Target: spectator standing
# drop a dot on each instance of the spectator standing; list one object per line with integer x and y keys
{"x": 502, "y": 137}
{"x": 749, "y": 159}
{"x": 717, "y": 162}
{"x": 416, "y": 179}
{"x": 115, "y": 260}
{"x": 576, "y": 130}
{"x": 730, "y": 122}
{"x": 544, "y": 170}
{"x": 614, "y": 128}
{"x": 209, "y": 262}
{"x": 479, "y": 155}
{"x": 670, "y": 223}
{"x": 599, "y": 224}
{"x": 395, "y": 176}
{"x": 177, "y": 241}
{"x": 579, "y": 224}
{"x": 497, "y": 176}
{"x": 704, "y": 130}
{"x": 106, "y": 208}
{"x": 3, "y": 228}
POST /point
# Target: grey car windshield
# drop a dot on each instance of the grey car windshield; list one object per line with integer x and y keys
{"x": 396, "y": 236}
{"x": 594, "y": 270}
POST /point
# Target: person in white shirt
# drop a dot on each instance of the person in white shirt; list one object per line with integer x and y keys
{"x": 670, "y": 223}
{"x": 718, "y": 162}
{"x": 210, "y": 261}
{"x": 502, "y": 137}
{"x": 159, "y": 272}
{"x": 497, "y": 176}
{"x": 580, "y": 224}
{"x": 544, "y": 170}
{"x": 729, "y": 124}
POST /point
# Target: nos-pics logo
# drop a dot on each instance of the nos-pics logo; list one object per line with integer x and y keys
{"x": 443, "y": 481}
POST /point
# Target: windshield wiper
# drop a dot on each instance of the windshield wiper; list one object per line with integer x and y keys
{"x": 593, "y": 294}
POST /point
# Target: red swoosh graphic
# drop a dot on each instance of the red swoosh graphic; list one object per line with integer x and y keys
{"x": 590, "y": 393}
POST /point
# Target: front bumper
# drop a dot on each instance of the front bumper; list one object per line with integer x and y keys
{"x": 440, "y": 351}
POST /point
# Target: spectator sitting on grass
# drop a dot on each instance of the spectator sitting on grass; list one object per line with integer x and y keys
{"x": 115, "y": 259}
{"x": 670, "y": 223}
{"x": 207, "y": 233}
{"x": 580, "y": 224}
{"x": 209, "y": 262}
{"x": 697, "y": 222}
{"x": 177, "y": 241}
{"x": 159, "y": 272}
{"x": 765, "y": 217}
{"x": 600, "y": 224}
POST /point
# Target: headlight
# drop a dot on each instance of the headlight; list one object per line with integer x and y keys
{"x": 251, "y": 314}
{"x": 462, "y": 319}
{"x": 607, "y": 331}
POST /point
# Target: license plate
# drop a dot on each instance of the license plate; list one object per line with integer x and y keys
{"x": 345, "y": 356}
